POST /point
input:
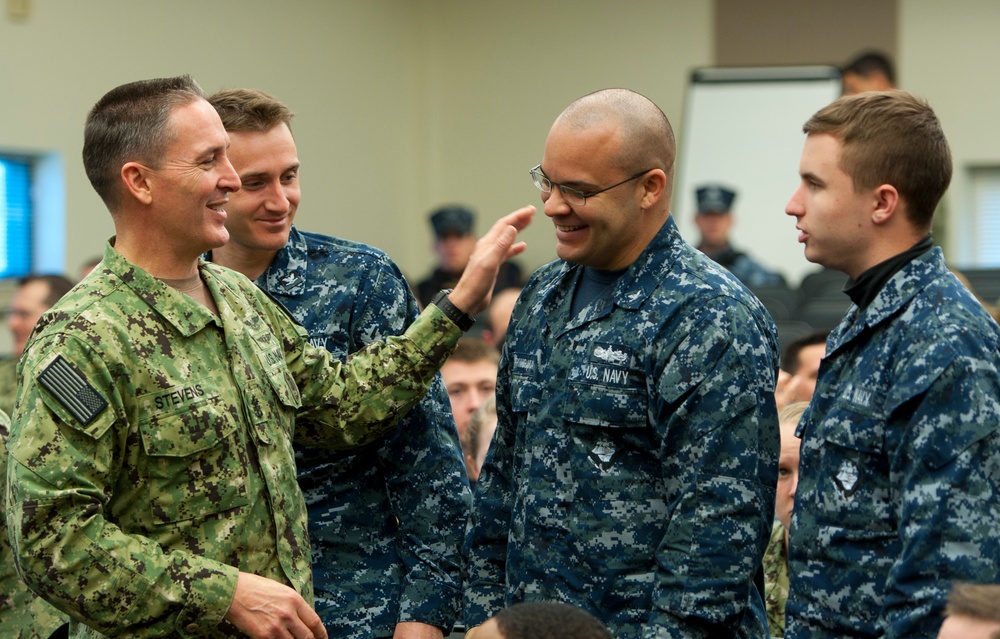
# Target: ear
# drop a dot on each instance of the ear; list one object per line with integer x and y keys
{"x": 655, "y": 184}
{"x": 886, "y": 203}
{"x": 135, "y": 177}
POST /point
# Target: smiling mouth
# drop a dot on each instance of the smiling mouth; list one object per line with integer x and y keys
{"x": 569, "y": 228}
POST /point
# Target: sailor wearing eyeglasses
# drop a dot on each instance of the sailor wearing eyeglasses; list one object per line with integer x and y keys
{"x": 633, "y": 468}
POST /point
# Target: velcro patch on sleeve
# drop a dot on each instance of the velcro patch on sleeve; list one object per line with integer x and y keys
{"x": 69, "y": 387}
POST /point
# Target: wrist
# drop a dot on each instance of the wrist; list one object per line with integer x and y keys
{"x": 443, "y": 300}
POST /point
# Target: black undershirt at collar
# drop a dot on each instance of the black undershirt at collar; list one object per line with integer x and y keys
{"x": 869, "y": 284}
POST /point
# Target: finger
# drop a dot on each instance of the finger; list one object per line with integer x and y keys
{"x": 308, "y": 625}
{"x": 520, "y": 218}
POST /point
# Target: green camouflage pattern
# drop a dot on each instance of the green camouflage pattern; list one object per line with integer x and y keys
{"x": 386, "y": 521}
{"x": 23, "y": 615}
{"x": 136, "y": 518}
{"x": 776, "y": 580}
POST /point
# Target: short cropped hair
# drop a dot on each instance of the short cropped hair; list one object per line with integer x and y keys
{"x": 549, "y": 620}
{"x": 473, "y": 349}
{"x": 130, "y": 123}
{"x": 250, "y": 110}
{"x": 890, "y": 137}
{"x": 979, "y": 601}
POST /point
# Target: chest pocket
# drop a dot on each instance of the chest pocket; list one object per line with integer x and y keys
{"x": 606, "y": 389}
{"x": 194, "y": 464}
{"x": 856, "y": 486}
{"x": 271, "y": 402}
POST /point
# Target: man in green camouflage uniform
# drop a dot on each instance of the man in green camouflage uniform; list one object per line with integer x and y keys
{"x": 151, "y": 487}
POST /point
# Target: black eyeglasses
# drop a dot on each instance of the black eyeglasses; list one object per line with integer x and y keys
{"x": 575, "y": 197}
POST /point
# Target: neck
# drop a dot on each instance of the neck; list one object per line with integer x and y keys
{"x": 248, "y": 262}
{"x": 156, "y": 257}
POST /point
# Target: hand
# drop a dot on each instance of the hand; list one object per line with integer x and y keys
{"x": 265, "y": 609}
{"x": 473, "y": 291}
{"x": 416, "y": 630}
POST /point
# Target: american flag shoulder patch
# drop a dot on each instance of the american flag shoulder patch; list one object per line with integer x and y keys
{"x": 68, "y": 386}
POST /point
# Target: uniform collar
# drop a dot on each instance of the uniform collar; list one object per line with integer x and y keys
{"x": 183, "y": 313}
{"x": 901, "y": 287}
{"x": 286, "y": 275}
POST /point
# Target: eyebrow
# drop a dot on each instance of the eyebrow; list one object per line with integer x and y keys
{"x": 809, "y": 175}
{"x": 264, "y": 174}
{"x": 573, "y": 184}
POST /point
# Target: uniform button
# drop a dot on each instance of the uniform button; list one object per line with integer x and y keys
{"x": 192, "y": 627}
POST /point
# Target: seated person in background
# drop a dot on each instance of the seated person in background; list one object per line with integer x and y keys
{"x": 973, "y": 612}
{"x": 35, "y": 294}
{"x": 869, "y": 71}
{"x": 799, "y": 368}
{"x": 498, "y": 316}
{"x": 454, "y": 239}
{"x": 776, "y": 555}
{"x": 476, "y": 442}
{"x": 714, "y": 218}
{"x": 470, "y": 376}
{"x": 541, "y": 620}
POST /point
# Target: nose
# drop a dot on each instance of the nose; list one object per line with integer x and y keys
{"x": 793, "y": 484}
{"x": 554, "y": 203}
{"x": 277, "y": 199}
{"x": 794, "y": 206}
{"x": 229, "y": 180}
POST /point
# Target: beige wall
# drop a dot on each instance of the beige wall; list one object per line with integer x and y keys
{"x": 405, "y": 104}
{"x": 401, "y": 105}
{"x": 948, "y": 54}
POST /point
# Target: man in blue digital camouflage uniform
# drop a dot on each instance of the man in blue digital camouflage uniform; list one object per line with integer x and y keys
{"x": 151, "y": 486}
{"x": 633, "y": 469}
{"x": 899, "y": 474}
{"x": 386, "y": 521}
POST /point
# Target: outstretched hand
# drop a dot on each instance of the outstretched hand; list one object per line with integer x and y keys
{"x": 263, "y": 608}
{"x": 473, "y": 292}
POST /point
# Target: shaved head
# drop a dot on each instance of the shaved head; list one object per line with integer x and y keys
{"x": 646, "y": 137}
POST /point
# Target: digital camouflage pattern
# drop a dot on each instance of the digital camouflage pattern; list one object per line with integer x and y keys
{"x": 23, "y": 615}
{"x": 386, "y": 521}
{"x": 151, "y": 447}
{"x": 634, "y": 465}
{"x": 899, "y": 475}
{"x": 776, "y": 579}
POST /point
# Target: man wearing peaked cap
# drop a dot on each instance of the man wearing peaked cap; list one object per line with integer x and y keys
{"x": 454, "y": 239}
{"x": 714, "y": 218}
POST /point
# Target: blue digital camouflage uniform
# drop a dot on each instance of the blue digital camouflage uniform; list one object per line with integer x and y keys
{"x": 634, "y": 465}
{"x": 23, "y": 615}
{"x": 151, "y": 447}
{"x": 899, "y": 475}
{"x": 386, "y": 521}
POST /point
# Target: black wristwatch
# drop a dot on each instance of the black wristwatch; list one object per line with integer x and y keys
{"x": 462, "y": 319}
